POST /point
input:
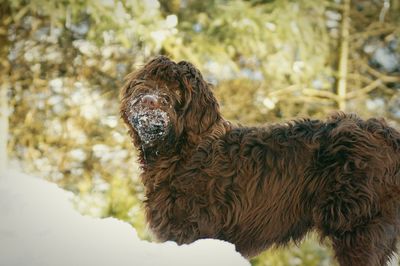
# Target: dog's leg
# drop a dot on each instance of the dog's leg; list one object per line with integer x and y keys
{"x": 372, "y": 245}
{"x": 363, "y": 229}
{"x": 360, "y": 235}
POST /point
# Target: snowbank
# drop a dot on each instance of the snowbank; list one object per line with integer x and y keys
{"x": 38, "y": 226}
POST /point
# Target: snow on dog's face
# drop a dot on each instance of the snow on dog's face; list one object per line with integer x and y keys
{"x": 147, "y": 114}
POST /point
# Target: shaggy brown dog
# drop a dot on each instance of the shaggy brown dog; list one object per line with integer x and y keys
{"x": 260, "y": 186}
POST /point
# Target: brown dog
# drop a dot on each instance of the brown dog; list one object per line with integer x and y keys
{"x": 260, "y": 186}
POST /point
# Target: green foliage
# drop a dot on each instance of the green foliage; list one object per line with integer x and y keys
{"x": 258, "y": 44}
{"x": 309, "y": 253}
{"x": 63, "y": 63}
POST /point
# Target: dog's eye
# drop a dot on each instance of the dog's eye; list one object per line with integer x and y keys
{"x": 136, "y": 99}
{"x": 164, "y": 99}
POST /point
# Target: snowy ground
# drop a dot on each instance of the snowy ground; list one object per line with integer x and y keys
{"x": 38, "y": 226}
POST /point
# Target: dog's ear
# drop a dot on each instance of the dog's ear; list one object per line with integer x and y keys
{"x": 201, "y": 109}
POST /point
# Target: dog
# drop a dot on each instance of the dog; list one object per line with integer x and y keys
{"x": 258, "y": 187}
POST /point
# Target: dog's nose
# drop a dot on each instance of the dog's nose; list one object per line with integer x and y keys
{"x": 150, "y": 101}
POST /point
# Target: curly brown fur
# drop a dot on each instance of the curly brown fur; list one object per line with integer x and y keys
{"x": 260, "y": 186}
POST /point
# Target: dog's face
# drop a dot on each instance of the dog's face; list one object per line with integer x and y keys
{"x": 166, "y": 103}
{"x": 152, "y": 111}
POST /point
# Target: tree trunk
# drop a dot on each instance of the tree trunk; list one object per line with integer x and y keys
{"x": 344, "y": 53}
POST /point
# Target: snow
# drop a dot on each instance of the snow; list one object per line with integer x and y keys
{"x": 38, "y": 226}
{"x": 386, "y": 59}
{"x": 151, "y": 124}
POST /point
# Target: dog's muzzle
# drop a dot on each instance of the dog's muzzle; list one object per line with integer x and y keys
{"x": 150, "y": 122}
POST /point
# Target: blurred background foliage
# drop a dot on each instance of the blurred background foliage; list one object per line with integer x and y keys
{"x": 62, "y": 64}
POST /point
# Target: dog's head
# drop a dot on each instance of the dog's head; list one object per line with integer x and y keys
{"x": 166, "y": 103}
